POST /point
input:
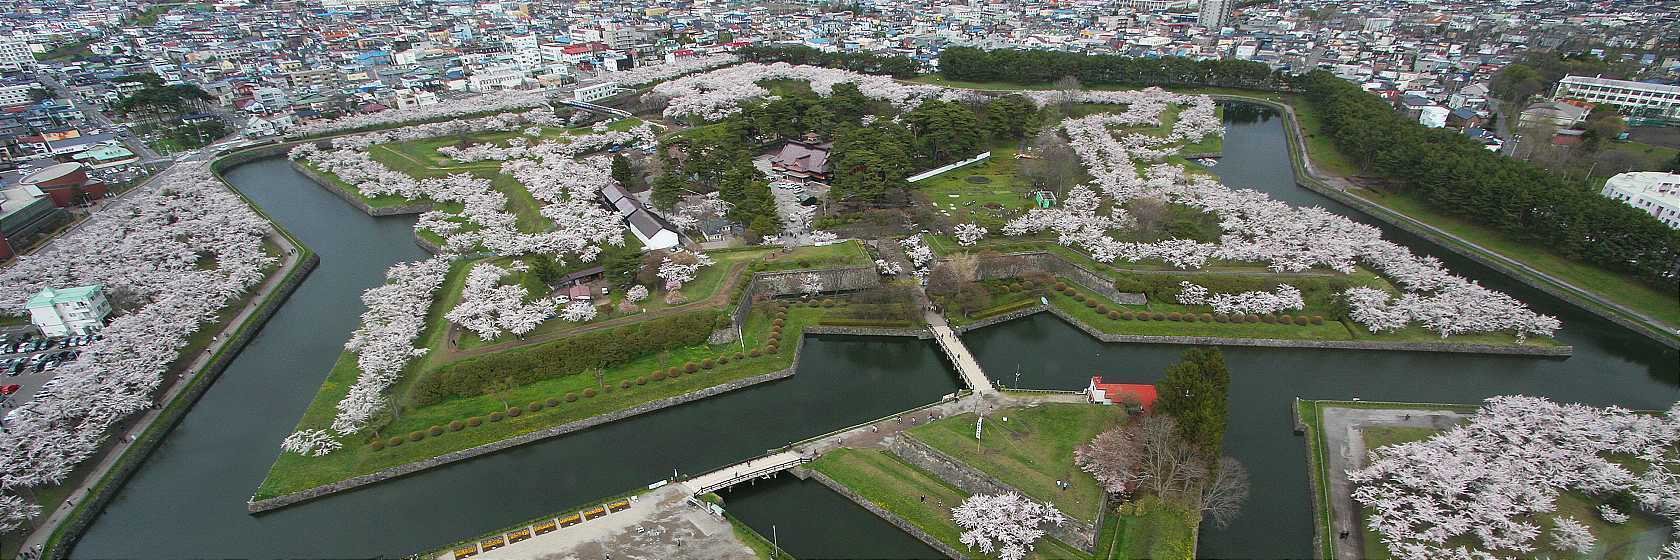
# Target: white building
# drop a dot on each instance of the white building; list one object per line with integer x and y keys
{"x": 71, "y": 311}
{"x": 15, "y": 54}
{"x": 492, "y": 78}
{"x": 589, "y": 94}
{"x": 1664, "y": 99}
{"x": 1655, "y": 192}
{"x": 1215, "y": 14}
{"x": 15, "y": 94}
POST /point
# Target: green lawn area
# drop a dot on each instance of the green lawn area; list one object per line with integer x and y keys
{"x": 898, "y": 487}
{"x": 1031, "y": 450}
{"x": 1657, "y": 303}
{"x": 988, "y": 192}
{"x": 1320, "y": 148}
{"x": 292, "y": 472}
{"x": 1155, "y": 529}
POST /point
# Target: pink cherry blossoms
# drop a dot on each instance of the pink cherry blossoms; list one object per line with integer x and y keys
{"x": 679, "y": 268}
{"x": 152, "y": 246}
{"x": 1286, "y": 298}
{"x": 1490, "y": 478}
{"x": 969, "y": 234}
{"x": 487, "y": 307}
{"x": 384, "y": 342}
{"x": 1255, "y": 227}
{"x": 1006, "y": 523}
{"x": 717, "y": 94}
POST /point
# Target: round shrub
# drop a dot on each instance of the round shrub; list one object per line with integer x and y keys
{"x": 708, "y": 363}
{"x": 773, "y": 348}
{"x": 1113, "y": 315}
{"x": 416, "y": 435}
{"x": 435, "y": 431}
{"x": 1061, "y": 286}
{"x": 393, "y": 442}
{"x": 674, "y": 375}
{"x": 1079, "y": 297}
{"x": 1126, "y": 315}
{"x": 607, "y": 389}
{"x": 1221, "y": 317}
{"x": 754, "y": 353}
{"x": 641, "y": 381}
{"x": 624, "y": 384}
{"x": 690, "y": 367}
{"x": 722, "y": 360}
{"x": 1103, "y": 309}
{"x": 1267, "y": 318}
{"x": 660, "y": 375}
{"x": 1174, "y": 316}
{"x": 589, "y": 393}
{"x": 670, "y": 371}
{"x": 739, "y": 355}
{"x": 1317, "y": 319}
{"x": 474, "y": 421}
{"x": 497, "y": 416}
{"x": 514, "y": 412}
{"x": 1207, "y": 317}
{"x": 457, "y": 425}
{"x": 534, "y": 406}
{"x": 1090, "y": 304}
{"x": 1252, "y": 318}
{"x": 828, "y": 303}
{"x": 777, "y": 323}
{"x": 552, "y": 402}
{"x": 377, "y": 445}
{"x": 1302, "y": 320}
{"x": 1286, "y": 319}
{"x": 571, "y": 397}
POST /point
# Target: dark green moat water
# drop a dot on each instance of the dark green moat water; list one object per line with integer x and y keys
{"x": 188, "y": 500}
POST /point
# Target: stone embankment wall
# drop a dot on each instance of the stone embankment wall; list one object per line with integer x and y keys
{"x": 882, "y": 513}
{"x": 1080, "y": 534}
{"x": 277, "y": 502}
{"x": 1015, "y": 265}
{"x": 788, "y": 282}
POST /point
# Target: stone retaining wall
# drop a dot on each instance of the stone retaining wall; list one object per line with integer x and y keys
{"x": 890, "y": 517}
{"x": 151, "y": 438}
{"x": 869, "y": 331}
{"x": 1004, "y": 318}
{"x": 1079, "y": 534}
{"x": 278, "y": 502}
{"x": 784, "y": 282}
{"x": 1013, "y": 265}
{"x": 1446, "y": 347}
{"x": 356, "y": 201}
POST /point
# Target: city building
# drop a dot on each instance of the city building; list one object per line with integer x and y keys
{"x": 802, "y": 160}
{"x": 70, "y": 311}
{"x": 1655, "y": 192}
{"x": 15, "y": 54}
{"x": 1657, "y": 100}
{"x": 26, "y": 214}
{"x": 649, "y": 229}
{"x": 1112, "y": 393}
{"x": 1214, "y": 14}
{"x": 66, "y": 184}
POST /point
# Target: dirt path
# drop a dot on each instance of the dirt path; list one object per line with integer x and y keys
{"x": 1345, "y": 450}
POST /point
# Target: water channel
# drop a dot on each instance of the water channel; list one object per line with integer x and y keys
{"x": 188, "y": 499}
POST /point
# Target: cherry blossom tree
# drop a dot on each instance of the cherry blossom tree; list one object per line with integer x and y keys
{"x": 679, "y": 267}
{"x": 1571, "y": 535}
{"x": 969, "y": 234}
{"x": 636, "y": 293}
{"x": 578, "y": 312}
{"x": 1007, "y": 523}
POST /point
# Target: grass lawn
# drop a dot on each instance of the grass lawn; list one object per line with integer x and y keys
{"x": 898, "y": 487}
{"x": 292, "y": 472}
{"x": 1031, "y": 450}
{"x": 1320, "y": 148}
{"x": 988, "y": 192}
{"x": 1655, "y": 302}
{"x": 1156, "y": 529}
{"x": 1328, "y": 330}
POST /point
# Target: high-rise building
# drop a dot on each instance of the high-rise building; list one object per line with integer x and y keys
{"x": 15, "y": 54}
{"x": 1215, "y": 14}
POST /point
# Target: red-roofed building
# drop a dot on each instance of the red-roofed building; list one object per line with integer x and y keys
{"x": 1110, "y": 393}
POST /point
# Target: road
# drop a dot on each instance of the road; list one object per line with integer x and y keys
{"x": 98, "y": 118}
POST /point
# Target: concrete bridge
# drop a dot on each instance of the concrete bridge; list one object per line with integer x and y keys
{"x": 587, "y": 106}
{"x": 966, "y": 365}
{"x": 742, "y": 472}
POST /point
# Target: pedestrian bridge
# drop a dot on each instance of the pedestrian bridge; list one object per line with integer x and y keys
{"x": 742, "y": 472}
{"x": 587, "y": 106}
{"x": 965, "y": 363}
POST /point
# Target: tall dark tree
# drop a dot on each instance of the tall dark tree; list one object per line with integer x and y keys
{"x": 870, "y": 161}
{"x": 944, "y": 132}
{"x": 1011, "y": 117}
{"x": 1195, "y": 391}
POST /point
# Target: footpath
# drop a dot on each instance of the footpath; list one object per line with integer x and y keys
{"x": 44, "y": 526}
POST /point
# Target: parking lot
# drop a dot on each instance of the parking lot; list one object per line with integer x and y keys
{"x": 37, "y": 361}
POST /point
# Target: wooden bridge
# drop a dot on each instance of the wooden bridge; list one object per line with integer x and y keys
{"x": 966, "y": 365}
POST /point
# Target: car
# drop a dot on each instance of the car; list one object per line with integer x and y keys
{"x": 39, "y": 367}
{"x": 51, "y": 365}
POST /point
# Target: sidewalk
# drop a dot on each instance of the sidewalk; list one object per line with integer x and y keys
{"x": 124, "y": 440}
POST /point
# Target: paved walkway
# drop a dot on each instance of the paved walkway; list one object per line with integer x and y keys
{"x": 967, "y": 366}
{"x": 1346, "y": 451}
{"x": 124, "y": 440}
{"x": 658, "y": 525}
{"x": 785, "y": 459}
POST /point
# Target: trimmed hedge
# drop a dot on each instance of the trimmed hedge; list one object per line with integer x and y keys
{"x": 416, "y": 435}
{"x": 514, "y": 412}
{"x": 474, "y": 422}
{"x": 377, "y": 445}
{"x": 393, "y": 442}
{"x": 534, "y": 407}
{"x": 496, "y": 416}
{"x": 589, "y": 393}
{"x": 552, "y": 402}
{"x": 850, "y": 322}
{"x": 457, "y": 425}
{"x": 435, "y": 430}
{"x": 571, "y": 397}
{"x": 566, "y": 356}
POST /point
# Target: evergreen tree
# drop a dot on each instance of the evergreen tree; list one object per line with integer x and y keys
{"x": 1195, "y": 392}
{"x": 1011, "y": 117}
{"x": 622, "y": 171}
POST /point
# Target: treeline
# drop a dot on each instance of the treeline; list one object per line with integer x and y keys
{"x": 1043, "y": 67}
{"x": 1458, "y": 177}
{"x": 1321, "y": 293}
{"x": 567, "y": 356}
{"x": 865, "y": 62}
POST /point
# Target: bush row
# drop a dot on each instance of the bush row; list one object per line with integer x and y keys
{"x": 566, "y": 356}
{"x": 1285, "y": 319}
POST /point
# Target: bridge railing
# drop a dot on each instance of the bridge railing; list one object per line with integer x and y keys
{"x": 755, "y": 473}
